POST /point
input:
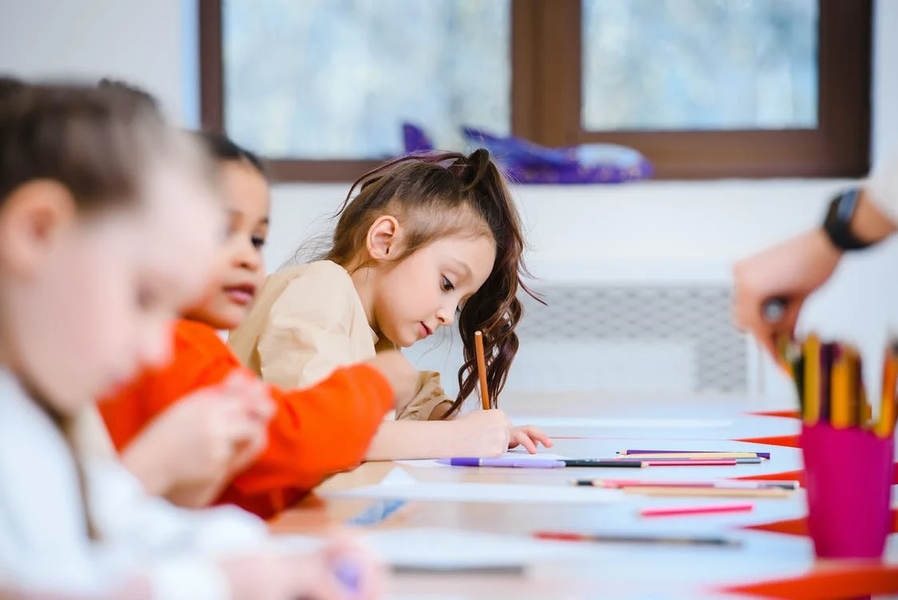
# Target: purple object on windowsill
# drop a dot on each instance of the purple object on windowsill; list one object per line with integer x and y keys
{"x": 526, "y": 162}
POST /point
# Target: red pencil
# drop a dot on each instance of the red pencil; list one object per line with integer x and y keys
{"x": 695, "y": 510}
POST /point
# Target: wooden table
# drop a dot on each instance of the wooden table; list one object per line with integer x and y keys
{"x": 613, "y": 570}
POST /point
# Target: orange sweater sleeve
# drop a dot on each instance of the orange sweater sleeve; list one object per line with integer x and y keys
{"x": 315, "y": 432}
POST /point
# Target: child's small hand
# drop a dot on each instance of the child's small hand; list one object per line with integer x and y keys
{"x": 360, "y": 574}
{"x": 202, "y": 438}
{"x": 482, "y": 433}
{"x": 259, "y": 408}
{"x": 403, "y": 377}
{"x": 529, "y": 436}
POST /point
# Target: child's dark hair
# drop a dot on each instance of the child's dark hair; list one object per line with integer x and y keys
{"x": 98, "y": 144}
{"x": 10, "y": 85}
{"x": 438, "y": 195}
{"x": 139, "y": 94}
{"x": 222, "y": 148}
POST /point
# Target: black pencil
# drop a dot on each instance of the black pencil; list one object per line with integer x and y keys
{"x": 637, "y": 539}
{"x": 600, "y": 463}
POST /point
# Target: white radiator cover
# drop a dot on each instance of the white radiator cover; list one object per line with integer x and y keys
{"x": 627, "y": 328}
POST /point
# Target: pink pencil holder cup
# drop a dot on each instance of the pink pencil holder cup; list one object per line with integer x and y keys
{"x": 848, "y": 476}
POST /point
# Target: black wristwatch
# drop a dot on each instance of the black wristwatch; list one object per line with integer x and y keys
{"x": 837, "y": 224}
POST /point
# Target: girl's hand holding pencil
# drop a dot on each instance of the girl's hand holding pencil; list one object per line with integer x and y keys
{"x": 489, "y": 433}
{"x": 482, "y": 433}
{"x": 527, "y": 436}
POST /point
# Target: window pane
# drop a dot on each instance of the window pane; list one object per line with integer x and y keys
{"x": 335, "y": 79}
{"x": 699, "y": 64}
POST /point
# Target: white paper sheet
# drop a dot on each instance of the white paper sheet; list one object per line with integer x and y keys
{"x": 440, "y": 549}
{"x": 623, "y": 423}
{"x": 523, "y": 456}
{"x": 398, "y": 484}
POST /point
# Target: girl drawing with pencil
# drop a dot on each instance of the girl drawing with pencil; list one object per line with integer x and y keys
{"x": 427, "y": 240}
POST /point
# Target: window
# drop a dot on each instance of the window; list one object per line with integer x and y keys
{"x": 699, "y": 64}
{"x": 340, "y": 78}
{"x": 704, "y": 88}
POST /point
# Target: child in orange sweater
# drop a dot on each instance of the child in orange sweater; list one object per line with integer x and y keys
{"x": 312, "y": 434}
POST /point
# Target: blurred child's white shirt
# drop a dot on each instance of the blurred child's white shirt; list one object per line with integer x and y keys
{"x": 43, "y": 536}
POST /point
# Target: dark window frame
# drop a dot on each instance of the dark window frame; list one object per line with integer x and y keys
{"x": 545, "y": 103}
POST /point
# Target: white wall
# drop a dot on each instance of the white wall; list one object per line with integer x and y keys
{"x": 602, "y": 232}
{"x": 138, "y": 40}
{"x": 885, "y": 77}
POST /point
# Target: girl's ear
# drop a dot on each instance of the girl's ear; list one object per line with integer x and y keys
{"x": 31, "y": 220}
{"x": 383, "y": 238}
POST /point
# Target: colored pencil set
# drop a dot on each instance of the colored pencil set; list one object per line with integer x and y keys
{"x": 829, "y": 382}
{"x": 625, "y": 459}
{"x": 709, "y": 488}
{"x": 693, "y": 458}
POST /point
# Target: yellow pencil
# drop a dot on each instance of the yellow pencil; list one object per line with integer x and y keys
{"x": 710, "y": 492}
{"x": 481, "y": 370}
{"x": 840, "y": 390}
{"x": 886, "y": 422}
{"x": 812, "y": 380}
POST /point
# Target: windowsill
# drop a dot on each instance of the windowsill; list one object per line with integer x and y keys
{"x": 671, "y": 228}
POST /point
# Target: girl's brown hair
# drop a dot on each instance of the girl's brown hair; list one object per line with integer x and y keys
{"x": 99, "y": 145}
{"x": 438, "y": 195}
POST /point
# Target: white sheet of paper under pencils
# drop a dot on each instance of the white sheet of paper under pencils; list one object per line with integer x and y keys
{"x": 402, "y": 486}
{"x": 438, "y": 549}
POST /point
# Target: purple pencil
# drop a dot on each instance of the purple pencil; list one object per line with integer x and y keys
{"x": 512, "y": 463}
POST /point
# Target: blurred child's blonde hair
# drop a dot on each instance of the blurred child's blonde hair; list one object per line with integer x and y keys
{"x": 97, "y": 143}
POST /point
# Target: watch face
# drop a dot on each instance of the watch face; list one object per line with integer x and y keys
{"x": 846, "y": 204}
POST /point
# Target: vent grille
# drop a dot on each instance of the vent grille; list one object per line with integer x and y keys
{"x": 620, "y": 339}
{"x": 634, "y": 338}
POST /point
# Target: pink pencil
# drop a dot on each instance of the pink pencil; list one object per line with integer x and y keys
{"x": 721, "y": 462}
{"x": 695, "y": 510}
{"x": 720, "y": 483}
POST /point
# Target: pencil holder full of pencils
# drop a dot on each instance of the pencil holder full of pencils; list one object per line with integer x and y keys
{"x": 848, "y": 455}
{"x": 848, "y": 479}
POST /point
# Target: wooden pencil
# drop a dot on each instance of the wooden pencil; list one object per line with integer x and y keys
{"x": 706, "y": 492}
{"x": 840, "y": 391}
{"x": 886, "y": 423}
{"x": 481, "y": 370}
{"x": 812, "y": 380}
